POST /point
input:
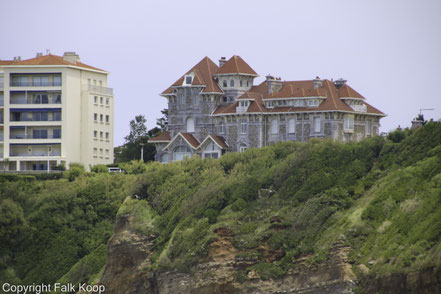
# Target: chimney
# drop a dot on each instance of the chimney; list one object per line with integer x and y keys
{"x": 71, "y": 57}
{"x": 340, "y": 83}
{"x": 39, "y": 54}
{"x": 15, "y": 59}
{"x": 222, "y": 61}
{"x": 19, "y": 58}
{"x": 274, "y": 84}
{"x": 318, "y": 83}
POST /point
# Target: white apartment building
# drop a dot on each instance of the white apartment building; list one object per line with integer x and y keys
{"x": 54, "y": 110}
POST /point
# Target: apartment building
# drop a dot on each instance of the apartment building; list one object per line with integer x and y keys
{"x": 213, "y": 109}
{"x": 54, "y": 110}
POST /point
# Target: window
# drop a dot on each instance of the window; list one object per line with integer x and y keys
{"x": 101, "y": 83}
{"x": 196, "y": 100}
{"x": 56, "y": 133}
{"x": 57, "y": 116}
{"x": 57, "y": 80}
{"x": 107, "y": 119}
{"x": 188, "y": 80}
{"x": 243, "y": 103}
{"x": 240, "y": 83}
{"x": 274, "y": 127}
{"x": 101, "y": 118}
{"x": 221, "y": 128}
{"x": 349, "y": 124}
{"x": 107, "y": 135}
{"x": 95, "y": 151}
{"x": 107, "y": 101}
{"x": 232, "y": 83}
{"x": 317, "y": 124}
{"x": 270, "y": 104}
{"x": 163, "y": 158}
{"x": 291, "y": 126}
{"x": 243, "y": 126}
{"x": 39, "y": 134}
{"x": 40, "y": 81}
{"x": 248, "y": 83}
{"x": 101, "y": 100}
{"x": 190, "y": 125}
{"x": 57, "y": 98}
{"x": 101, "y": 135}
{"x": 369, "y": 127}
{"x": 95, "y": 134}
{"x": 180, "y": 152}
{"x": 107, "y": 153}
{"x": 95, "y": 116}
{"x": 225, "y": 99}
{"x": 225, "y": 83}
{"x": 242, "y": 147}
{"x": 101, "y": 152}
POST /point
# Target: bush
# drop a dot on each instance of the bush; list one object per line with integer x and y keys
{"x": 75, "y": 170}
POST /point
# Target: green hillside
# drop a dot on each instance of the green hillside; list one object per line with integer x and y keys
{"x": 381, "y": 197}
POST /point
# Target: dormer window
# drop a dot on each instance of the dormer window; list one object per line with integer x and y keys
{"x": 270, "y": 104}
{"x": 188, "y": 80}
{"x": 243, "y": 103}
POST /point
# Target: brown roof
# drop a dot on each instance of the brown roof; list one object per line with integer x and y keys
{"x": 204, "y": 71}
{"x": 191, "y": 139}
{"x": 164, "y": 136}
{"x": 332, "y": 102}
{"x": 6, "y": 62}
{"x": 220, "y": 141}
{"x": 236, "y": 65}
{"x": 52, "y": 60}
{"x": 346, "y": 91}
{"x": 250, "y": 96}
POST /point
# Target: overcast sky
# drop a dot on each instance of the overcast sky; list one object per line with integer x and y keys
{"x": 389, "y": 51}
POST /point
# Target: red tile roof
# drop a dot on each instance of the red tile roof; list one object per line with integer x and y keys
{"x": 163, "y": 137}
{"x": 236, "y": 65}
{"x": 204, "y": 71}
{"x": 332, "y": 102}
{"x": 52, "y": 60}
{"x": 346, "y": 91}
{"x": 191, "y": 139}
{"x": 220, "y": 141}
{"x": 6, "y": 62}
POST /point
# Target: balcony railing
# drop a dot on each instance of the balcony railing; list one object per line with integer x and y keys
{"x": 35, "y": 84}
{"x": 36, "y": 119}
{"x": 34, "y": 137}
{"x": 100, "y": 90}
{"x": 41, "y": 153}
{"x": 24, "y": 101}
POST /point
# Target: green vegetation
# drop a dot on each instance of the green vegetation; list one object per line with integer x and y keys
{"x": 381, "y": 197}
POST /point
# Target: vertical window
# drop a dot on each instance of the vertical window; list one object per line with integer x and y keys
{"x": 242, "y": 147}
{"x": 190, "y": 125}
{"x": 101, "y": 100}
{"x": 101, "y": 135}
{"x": 291, "y": 126}
{"x": 107, "y": 119}
{"x": 107, "y": 153}
{"x": 101, "y": 118}
{"x": 240, "y": 83}
{"x": 95, "y": 134}
{"x": 101, "y": 83}
{"x": 95, "y": 99}
{"x": 57, "y": 80}
{"x": 95, "y": 116}
{"x": 317, "y": 124}
{"x": 107, "y": 101}
{"x": 225, "y": 83}
{"x": 369, "y": 127}
{"x": 57, "y": 98}
{"x": 56, "y": 133}
{"x": 274, "y": 126}
{"x": 107, "y": 136}
{"x": 232, "y": 83}
{"x": 188, "y": 80}
{"x": 349, "y": 124}
{"x": 243, "y": 126}
{"x": 221, "y": 128}
{"x": 95, "y": 151}
{"x": 248, "y": 83}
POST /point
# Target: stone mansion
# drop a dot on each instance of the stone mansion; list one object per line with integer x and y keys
{"x": 216, "y": 109}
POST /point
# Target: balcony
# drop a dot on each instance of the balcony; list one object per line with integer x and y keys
{"x": 34, "y": 137}
{"x": 100, "y": 90}
{"x": 34, "y": 154}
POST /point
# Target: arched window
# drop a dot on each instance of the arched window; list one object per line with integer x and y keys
{"x": 163, "y": 158}
{"x": 225, "y": 83}
{"x": 181, "y": 152}
{"x": 274, "y": 126}
{"x": 190, "y": 125}
{"x": 291, "y": 126}
{"x": 211, "y": 150}
{"x": 232, "y": 83}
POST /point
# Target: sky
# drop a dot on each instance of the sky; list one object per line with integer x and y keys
{"x": 388, "y": 51}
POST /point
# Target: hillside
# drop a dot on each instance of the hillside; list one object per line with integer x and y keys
{"x": 290, "y": 218}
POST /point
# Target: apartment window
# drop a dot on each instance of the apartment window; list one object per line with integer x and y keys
{"x": 57, "y": 80}
{"x": 57, "y": 98}
{"x": 107, "y": 153}
{"x": 221, "y": 128}
{"x": 317, "y": 124}
{"x": 101, "y": 135}
{"x": 349, "y": 124}
{"x": 292, "y": 126}
{"x": 41, "y": 81}
{"x": 101, "y": 152}
{"x": 232, "y": 83}
{"x": 225, "y": 83}
{"x": 95, "y": 116}
{"x": 101, "y": 100}
{"x": 243, "y": 126}
{"x": 107, "y": 119}
{"x": 107, "y": 136}
{"x": 101, "y": 118}
{"x": 56, "y": 133}
{"x": 57, "y": 116}
{"x": 95, "y": 151}
{"x": 107, "y": 101}
{"x": 39, "y": 134}
{"x": 95, "y": 134}
{"x": 274, "y": 126}
{"x": 95, "y": 99}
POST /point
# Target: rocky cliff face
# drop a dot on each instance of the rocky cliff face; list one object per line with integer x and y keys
{"x": 127, "y": 270}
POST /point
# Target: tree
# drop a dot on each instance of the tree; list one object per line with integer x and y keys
{"x": 162, "y": 122}
{"x": 138, "y": 128}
